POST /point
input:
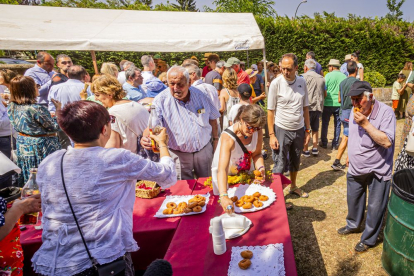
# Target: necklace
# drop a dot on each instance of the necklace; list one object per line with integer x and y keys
{"x": 241, "y": 132}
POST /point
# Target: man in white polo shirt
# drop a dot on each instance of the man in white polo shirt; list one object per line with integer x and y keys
{"x": 288, "y": 114}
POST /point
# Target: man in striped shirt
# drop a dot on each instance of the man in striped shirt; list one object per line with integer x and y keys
{"x": 190, "y": 118}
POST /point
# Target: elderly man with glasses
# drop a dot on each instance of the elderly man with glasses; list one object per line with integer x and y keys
{"x": 372, "y": 136}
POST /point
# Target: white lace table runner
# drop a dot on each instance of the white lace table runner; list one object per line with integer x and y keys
{"x": 178, "y": 199}
{"x": 267, "y": 260}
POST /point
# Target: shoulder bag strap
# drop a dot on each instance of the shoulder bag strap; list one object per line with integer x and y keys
{"x": 238, "y": 140}
{"x": 73, "y": 212}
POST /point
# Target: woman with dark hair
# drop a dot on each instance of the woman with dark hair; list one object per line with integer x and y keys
{"x": 37, "y": 130}
{"x": 100, "y": 185}
{"x": 360, "y": 72}
{"x": 230, "y": 157}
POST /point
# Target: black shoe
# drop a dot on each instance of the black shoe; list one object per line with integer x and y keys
{"x": 346, "y": 231}
{"x": 338, "y": 167}
{"x": 322, "y": 145}
{"x": 335, "y": 147}
{"x": 361, "y": 247}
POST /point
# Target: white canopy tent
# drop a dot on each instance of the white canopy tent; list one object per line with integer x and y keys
{"x": 57, "y": 28}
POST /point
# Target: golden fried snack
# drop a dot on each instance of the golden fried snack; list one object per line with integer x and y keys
{"x": 187, "y": 210}
{"x": 245, "y": 264}
{"x": 239, "y": 203}
{"x": 243, "y": 198}
{"x": 192, "y": 205}
{"x": 197, "y": 209}
{"x": 167, "y": 211}
{"x": 178, "y": 211}
{"x": 200, "y": 198}
{"x": 201, "y": 203}
{"x": 182, "y": 205}
{"x": 234, "y": 198}
{"x": 246, "y": 254}
{"x": 357, "y": 109}
{"x": 257, "y": 194}
{"x": 171, "y": 205}
{"x": 247, "y": 205}
{"x": 264, "y": 198}
{"x": 257, "y": 173}
{"x": 257, "y": 204}
{"x": 249, "y": 199}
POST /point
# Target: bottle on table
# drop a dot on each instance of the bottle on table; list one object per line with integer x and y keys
{"x": 154, "y": 126}
{"x": 30, "y": 188}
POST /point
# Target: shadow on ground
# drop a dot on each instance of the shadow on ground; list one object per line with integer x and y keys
{"x": 348, "y": 267}
{"x": 308, "y": 256}
{"x": 321, "y": 180}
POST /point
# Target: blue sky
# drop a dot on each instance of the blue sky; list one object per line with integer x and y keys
{"x": 368, "y": 8}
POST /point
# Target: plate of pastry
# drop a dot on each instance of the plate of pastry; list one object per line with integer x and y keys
{"x": 183, "y": 205}
{"x": 251, "y": 198}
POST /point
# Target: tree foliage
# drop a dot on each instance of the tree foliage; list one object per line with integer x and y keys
{"x": 185, "y": 5}
{"x": 262, "y": 8}
{"x": 395, "y": 9}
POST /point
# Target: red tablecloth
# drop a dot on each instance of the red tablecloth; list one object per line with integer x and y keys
{"x": 153, "y": 235}
{"x": 192, "y": 248}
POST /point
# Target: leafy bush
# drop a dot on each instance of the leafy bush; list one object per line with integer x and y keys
{"x": 375, "y": 79}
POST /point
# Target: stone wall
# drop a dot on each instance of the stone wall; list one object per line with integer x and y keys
{"x": 383, "y": 95}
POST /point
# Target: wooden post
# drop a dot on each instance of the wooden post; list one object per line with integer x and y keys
{"x": 95, "y": 65}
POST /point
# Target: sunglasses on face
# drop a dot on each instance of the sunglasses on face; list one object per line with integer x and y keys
{"x": 252, "y": 129}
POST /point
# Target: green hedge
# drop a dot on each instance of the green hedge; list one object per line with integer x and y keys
{"x": 385, "y": 45}
{"x": 375, "y": 79}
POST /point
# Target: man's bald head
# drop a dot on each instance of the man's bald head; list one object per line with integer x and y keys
{"x": 77, "y": 72}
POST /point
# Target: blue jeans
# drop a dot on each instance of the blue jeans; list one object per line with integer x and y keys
{"x": 328, "y": 111}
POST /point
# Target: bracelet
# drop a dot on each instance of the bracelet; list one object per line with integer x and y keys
{"x": 260, "y": 168}
{"x": 271, "y": 134}
{"x": 223, "y": 195}
{"x": 215, "y": 139}
{"x": 163, "y": 146}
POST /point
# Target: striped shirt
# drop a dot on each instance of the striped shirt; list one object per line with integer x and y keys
{"x": 187, "y": 124}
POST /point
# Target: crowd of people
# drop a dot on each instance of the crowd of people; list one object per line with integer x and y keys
{"x": 97, "y": 133}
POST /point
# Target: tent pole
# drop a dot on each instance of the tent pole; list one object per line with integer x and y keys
{"x": 95, "y": 65}
{"x": 247, "y": 54}
{"x": 265, "y": 69}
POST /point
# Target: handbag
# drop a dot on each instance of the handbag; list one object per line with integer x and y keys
{"x": 410, "y": 142}
{"x": 244, "y": 166}
{"x": 116, "y": 267}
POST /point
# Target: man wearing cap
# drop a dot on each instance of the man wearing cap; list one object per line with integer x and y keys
{"x": 234, "y": 63}
{"x": 288, "y": 120}
{"x": 206, "y": 68}
{"x": 344, "y": 67}
{"x": 332, "y": 105}
{"x": 372, "y": 136}
{"x": 214, "y": 76}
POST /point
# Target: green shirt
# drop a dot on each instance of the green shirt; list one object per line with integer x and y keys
{"x": 332, "y": 81}
{"x": 344, "y": 88}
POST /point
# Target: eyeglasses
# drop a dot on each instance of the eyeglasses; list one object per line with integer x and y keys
{"x": 112, "y": 119}
{"x": 66, "y": 62}
{"x": 250, "y": 128}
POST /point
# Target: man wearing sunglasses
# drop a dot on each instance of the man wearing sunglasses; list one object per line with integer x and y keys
{"x": 63, "y": 62}
{"x": 370, "y": 152}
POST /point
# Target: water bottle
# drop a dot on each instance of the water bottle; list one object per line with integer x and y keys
{"x": 30, "y": 188}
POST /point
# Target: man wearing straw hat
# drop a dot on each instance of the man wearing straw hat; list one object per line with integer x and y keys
{"x": 331, "y": 104}
{"x": 372, "y": 136}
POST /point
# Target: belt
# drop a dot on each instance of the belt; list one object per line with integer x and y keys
{"x": 40, "y": 135}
